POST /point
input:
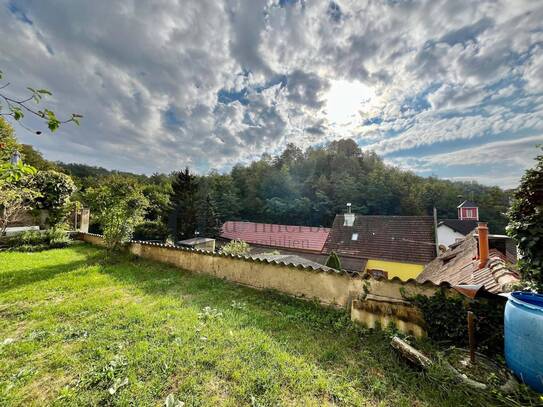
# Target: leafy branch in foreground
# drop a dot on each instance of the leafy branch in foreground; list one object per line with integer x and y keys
{"x": 18, "y": 107}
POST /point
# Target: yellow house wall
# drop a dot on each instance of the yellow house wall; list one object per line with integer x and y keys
{"x": 404, "y": 271}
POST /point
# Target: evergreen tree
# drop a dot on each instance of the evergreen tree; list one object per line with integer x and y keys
{"x": 208, "y": 222}
{"x": 182, "y": 221}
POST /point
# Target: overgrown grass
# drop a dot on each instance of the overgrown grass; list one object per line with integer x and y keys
{"x": 76, "y": 330}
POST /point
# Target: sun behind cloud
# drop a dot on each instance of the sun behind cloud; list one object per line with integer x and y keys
{"x": 345, "y": 101}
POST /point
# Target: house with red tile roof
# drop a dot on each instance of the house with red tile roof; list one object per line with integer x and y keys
{"x": 287, "y": 239}
{"x": 478, "y": 260}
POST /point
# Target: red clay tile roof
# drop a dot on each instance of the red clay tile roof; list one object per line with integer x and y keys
{"x": 459, "y": 265}
{"x": 407, "y": 239}
{"x": 281, "y": 236}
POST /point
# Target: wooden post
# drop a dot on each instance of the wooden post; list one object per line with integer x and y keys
{"x": 471, "y": 335}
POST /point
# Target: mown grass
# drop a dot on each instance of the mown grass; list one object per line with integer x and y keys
{"x": 78, "y": 330}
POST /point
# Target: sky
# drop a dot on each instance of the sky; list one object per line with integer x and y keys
{"x": 447, "y": 88}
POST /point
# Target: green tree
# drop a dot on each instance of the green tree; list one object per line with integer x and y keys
{"x": 55, "y": 190}
{"x": 8, "y": 141}
{"x": 526, "y": 223}
{"x": 208, "y": 222}
{"x": 15, "y": 201}
{"x": 182, "y": 220}
{"x": 118, "y": 204}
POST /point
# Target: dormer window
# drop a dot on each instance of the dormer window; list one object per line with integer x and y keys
{"x": 354, "y": 236}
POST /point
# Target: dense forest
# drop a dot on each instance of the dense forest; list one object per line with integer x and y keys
{"x": 307, "y": 188}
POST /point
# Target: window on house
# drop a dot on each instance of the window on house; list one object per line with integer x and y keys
{"x": 354, "y": 236}
{"x": 469, "y": 213}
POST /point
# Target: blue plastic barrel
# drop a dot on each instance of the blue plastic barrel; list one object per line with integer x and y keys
{"x": 523, "y": 329}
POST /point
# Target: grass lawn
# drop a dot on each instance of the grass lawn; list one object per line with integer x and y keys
{"x": 78, "y": 330}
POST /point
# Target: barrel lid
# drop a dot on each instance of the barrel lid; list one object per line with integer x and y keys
{"x": 527, "y": 299}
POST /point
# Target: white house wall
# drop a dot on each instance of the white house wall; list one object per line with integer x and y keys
{"x": 446, "y": 236}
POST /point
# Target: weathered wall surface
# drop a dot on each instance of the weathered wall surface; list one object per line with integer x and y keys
{"x": 372, "y": 303}
{"x": 331, "y": 288}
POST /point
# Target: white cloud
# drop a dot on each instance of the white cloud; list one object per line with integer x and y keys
{"x": 147, "y": 76}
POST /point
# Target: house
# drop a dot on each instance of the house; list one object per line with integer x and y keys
{"x": 305, "y": 241}
{"x": 390, "y": 246}
{"x": 468, "y": 210}
{"x": 478, "y": 260}
{"x": 449, "y": 231}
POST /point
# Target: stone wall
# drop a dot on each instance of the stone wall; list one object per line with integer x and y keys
{"x": 373, "y": 303}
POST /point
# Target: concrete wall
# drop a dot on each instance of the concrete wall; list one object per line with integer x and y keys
{"x": 372, "y": 302}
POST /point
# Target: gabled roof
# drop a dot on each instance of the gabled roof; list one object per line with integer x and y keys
{"x": 468, "y": 204}
{"x": 281, "y": 236}
{"x": 459, "y": 265}
{"x": 460, "y": 226}
{"x": 407, "y": 239}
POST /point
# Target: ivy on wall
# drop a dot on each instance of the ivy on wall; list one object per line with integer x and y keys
{"x": 446, "y": 319}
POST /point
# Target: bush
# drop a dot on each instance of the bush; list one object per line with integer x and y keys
{"x": 446, "y": 320}
{"x": 236, "y": 247}
{"x": 118, "y": 205}
{"x": 333, "y": 261}
{"x": 151, "y": 230}
{"x": 35, "y": 240}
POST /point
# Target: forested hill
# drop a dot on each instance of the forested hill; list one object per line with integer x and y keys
{"x": 309, "y": 187}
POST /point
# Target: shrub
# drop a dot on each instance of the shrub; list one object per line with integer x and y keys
{"x": 151, "y": 230}
{"x": 55, "y": 190}
{"x": 236, "y": 247}
{"x": 35, "y": 240}
{"x": 446, "y": 320}
{"x": 333, "y": 261}
{"x": 119, "y": 205}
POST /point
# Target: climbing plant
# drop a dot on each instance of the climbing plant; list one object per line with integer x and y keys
{"x": 446, "y": 319}
{"x": 526, "y": 223}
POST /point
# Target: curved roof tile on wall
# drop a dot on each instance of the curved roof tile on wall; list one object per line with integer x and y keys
{"x": 280, "y": 236}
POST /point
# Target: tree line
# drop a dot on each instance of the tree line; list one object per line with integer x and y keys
{"x": 298, "y": 187}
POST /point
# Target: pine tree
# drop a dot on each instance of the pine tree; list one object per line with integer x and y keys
{"x": 208, "y": 222}
{"x": 182, "y": 221}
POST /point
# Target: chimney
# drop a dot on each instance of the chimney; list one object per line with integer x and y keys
{"x": 348, "y": 207}
{"x": 482, "y": 232}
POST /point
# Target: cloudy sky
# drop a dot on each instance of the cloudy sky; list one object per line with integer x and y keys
{"x": 450, "y": 88}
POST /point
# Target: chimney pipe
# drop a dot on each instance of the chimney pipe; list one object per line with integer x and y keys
{"x": 482, "y": 231}
{"x": 348, "y": 207}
